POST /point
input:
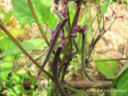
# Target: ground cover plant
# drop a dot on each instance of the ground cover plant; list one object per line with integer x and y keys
{"x": 68, "y": 34}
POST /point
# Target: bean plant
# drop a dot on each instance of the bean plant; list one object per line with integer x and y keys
{"x": 69, "y": 35}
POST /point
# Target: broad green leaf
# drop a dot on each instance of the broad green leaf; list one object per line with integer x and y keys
{"x": 32, "y": 44}
{"x": 121, "y": 82}
{"x": 22, "y": 11}
{"x": 5, "y": 69}
{"x": 105, "y": 7}
{"x": 107, "y": 68}
{"x": 24, "y": 15}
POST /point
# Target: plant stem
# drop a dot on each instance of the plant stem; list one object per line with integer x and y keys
{"x": 22, "y": 49}
{"x": 83, "y": 57}
{"x": 102, "y": 60}
{"x": 58, "y": 29}
{"x": 37, "y": 22}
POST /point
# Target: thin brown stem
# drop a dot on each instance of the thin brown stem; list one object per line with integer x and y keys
{"x": 37, "y": 22}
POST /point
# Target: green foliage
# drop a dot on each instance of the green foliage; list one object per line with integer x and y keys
{"x": 5, "y": 44}
{"x": 124, "y": 68}
{"x": 2, "y": 10}
{"x": 31, "y": 44}
{"x": 76, "y": 64}
{"x": 121, "y": 82}
{"x": 105, "y": 7}
{"x": 7, "y": 16}
{"x": 5, "y": 69}
{"x": 14, "y": 32}
{"x": 71, "y": 11}
{"x": 107, "y": 68}
{"x": 24, "y": 15}
{"x": 86, "y": 18}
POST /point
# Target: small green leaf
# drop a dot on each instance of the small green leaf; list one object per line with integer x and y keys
{"x": 16, "y": 32}
{"x": 5, "y": 44}
{"x": 5, "y": 69}
{"x": 107, "y": 68}
{"x": 105, "y": 7}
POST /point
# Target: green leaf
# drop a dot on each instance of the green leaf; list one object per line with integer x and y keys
{"x": 2, "y": 10}
{"x": 17, "y": 32}
{"x": 5, "y": 44}
{"x": 14, "y": 32}
{"x": 52, "y": 22}
{"x": 107, "y": 68}
{"x": 7, "y": 16}
{"x": 24, "y": 15}
{"x": 125, "y": 67}
{"x": 22, "y": 11}
{"x": 5, "y": 69}
{"x": 122, "y": 84}
{"x": 32, "y": 44}
{"x": 104, "y": 7}
{"x": 71, "y": 11}
{"x": 86, "y": 18}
